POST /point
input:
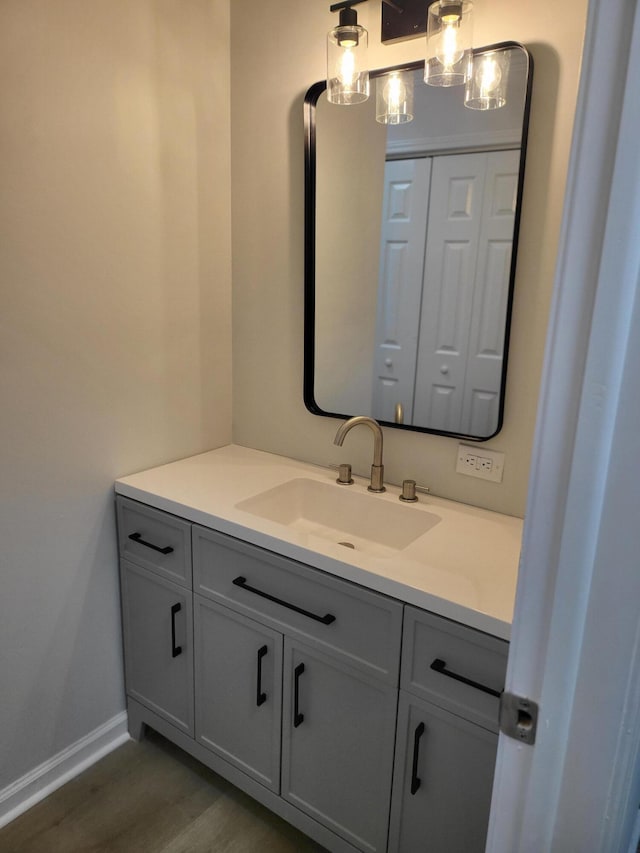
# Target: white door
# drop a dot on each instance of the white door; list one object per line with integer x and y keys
{"x": 404, "y": 217}
{"x": 575, "y": 638}
{"x": 483, "y": 377}
{"x": 457, "y": 185}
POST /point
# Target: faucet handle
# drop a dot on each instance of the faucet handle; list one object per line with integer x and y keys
{"x": 344, "y": 474}
{"x": 409, "y": 489}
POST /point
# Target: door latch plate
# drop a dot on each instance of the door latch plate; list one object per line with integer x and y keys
{"x": 518, "y": 717}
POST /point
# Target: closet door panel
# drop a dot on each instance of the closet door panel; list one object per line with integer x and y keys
{"x": 404, "y": 217}
{"x": 455, "y": 212}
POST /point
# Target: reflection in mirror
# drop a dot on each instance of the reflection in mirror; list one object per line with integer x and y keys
{"x": 411, "y": 233}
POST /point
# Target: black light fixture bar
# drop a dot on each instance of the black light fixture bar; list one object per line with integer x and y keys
{"x": 346, "y": 4}
{"x": 403, "y": 19}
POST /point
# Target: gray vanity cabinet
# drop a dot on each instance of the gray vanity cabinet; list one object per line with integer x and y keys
{"x": 238, "y": 688}
{"x": 285, "y": 680}
{"x": 451, "y": 679}
{"x": 158, "y": 653}
{"x": 157, "y": 610}
{"x": 339, "y": 678}
{"x": 338, "y": 740}
{"x": 442, "y": 781}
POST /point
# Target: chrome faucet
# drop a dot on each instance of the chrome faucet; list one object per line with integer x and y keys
{"x": 377, "y": 469}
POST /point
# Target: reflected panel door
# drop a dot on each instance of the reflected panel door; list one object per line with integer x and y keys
{"x": 404, "y": 217}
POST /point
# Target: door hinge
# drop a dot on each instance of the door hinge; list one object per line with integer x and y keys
{"x": 518, "y": 717}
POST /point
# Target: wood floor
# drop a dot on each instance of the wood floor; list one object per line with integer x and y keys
{"x": 150, "y": 797}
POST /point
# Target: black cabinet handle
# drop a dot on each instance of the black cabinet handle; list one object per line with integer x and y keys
{"x": 261, "y": 697}
{"x": 297, "y": 716}
{"x": 175, "y": 650}
{"x": 415, "y": 779}
{"x": 440, "y": 666}
{"x": 138, "y": 538}
{"x": 326, "y": 620}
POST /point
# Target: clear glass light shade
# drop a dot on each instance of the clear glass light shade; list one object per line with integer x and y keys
{"x": 394, "y": 98}
{"x": 486, "y": 87}
{"x": 449, "y": 43}
{"x": 347, "y": 69}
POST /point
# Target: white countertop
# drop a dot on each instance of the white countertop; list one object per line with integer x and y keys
{"x": 464, "y": 568}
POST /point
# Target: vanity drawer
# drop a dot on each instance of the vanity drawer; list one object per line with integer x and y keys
{"x": 154, "y": 539}
{"x": 438, "y": 653}
{"x": 337, "y": 615}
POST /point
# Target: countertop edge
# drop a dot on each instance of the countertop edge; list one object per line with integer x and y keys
{"x": 378, "y": 583}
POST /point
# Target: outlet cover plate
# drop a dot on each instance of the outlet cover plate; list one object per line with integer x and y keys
{"x": 474, "y": 460}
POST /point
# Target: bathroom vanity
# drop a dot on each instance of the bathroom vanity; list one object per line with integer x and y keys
{"x": 336, "y": 654}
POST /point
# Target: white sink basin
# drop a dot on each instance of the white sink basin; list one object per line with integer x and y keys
{"x": 364, "y": 522}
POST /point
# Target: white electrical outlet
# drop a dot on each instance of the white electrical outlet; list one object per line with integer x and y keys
{"x": 480, "y": 462}
{"x": 484, "y": 463}
{"x": 469, "y": 461}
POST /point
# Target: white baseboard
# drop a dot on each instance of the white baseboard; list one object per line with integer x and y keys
{"x": 55, "y": 772}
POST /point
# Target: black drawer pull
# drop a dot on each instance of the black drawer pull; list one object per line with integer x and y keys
{"x": 175, "y": 650}
{"x": 138, "y": 538}
{"x": 297, "y": 716}
{"x": 261, "y": 697}
{"x": 415, "y": 779}
{"x": 440, "y": 666}
{"x": 326, "y": 620}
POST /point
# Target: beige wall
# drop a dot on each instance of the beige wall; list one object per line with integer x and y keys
{"x": 114, "y": 323}
{"x": 277, "y": 52}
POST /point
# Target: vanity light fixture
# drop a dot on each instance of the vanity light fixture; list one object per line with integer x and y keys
{"x": 347, "y": 70}
{"x": 486, "y": 86}
{"x": 449, "y": 61}
{"x": 394, "y": 98}
{"x": 449, "y": 42}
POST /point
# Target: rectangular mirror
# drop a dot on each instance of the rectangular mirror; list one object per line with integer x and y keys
{"x": 410, "y": 249}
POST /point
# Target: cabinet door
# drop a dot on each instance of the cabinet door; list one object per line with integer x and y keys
{"x": 238, "y": 690}
{"x": 158, "y": 631}
{"x": 337, "y": 750}
{"x": 442, "y": 781}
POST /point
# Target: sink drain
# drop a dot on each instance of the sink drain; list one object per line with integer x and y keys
{"x": 347, "y": 545}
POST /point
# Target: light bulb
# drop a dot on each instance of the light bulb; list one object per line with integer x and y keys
{"x": 488, "y": 76}
{"x": 395, "y": 93}
{"x": 486, "y": 87}
{"x": 450, "y": 52}
{"x": 394, "y": 98}
{"x": 347, "y": 69}
{"x": 347, "y": 72}
{"x": 449, "y": 42}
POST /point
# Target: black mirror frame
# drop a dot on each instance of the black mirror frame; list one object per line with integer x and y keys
{"x": 310, "y": 105}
